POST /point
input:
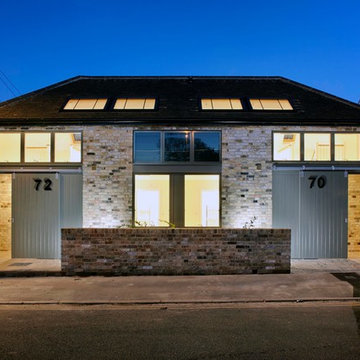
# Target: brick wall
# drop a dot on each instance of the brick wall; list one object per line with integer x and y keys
{"x": 354, "y": 217}
{"x": 175, "y": 251}
{"x": 5, "y": 212}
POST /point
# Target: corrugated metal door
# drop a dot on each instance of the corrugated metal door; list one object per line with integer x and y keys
{"x": 314, "y": 205}
{"x": 71, "y": 201}
{"x": 36, "y": 216}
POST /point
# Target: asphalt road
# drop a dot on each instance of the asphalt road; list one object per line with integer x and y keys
{"x": 245, "y": 332}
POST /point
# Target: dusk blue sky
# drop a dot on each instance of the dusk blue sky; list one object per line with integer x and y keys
{"x": 314, "y": 42}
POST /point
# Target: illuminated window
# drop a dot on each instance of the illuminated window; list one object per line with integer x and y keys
{"x": 177, "y": 146}
{"x": 347, "y": 147}
{"x": 147, "y": 147}
{"x": 207, "y": 146}
{"x": 317, "y": 147}
{"x": 286, "y": 146}
{"x": 270, "y": 104}
{"x": 68, "y": 147}
{"x": 10, "y": 147}
{"x": 37, "y": 147}
{"x": 134, "y": 104}
{"x": 221, "y": 104}
{"x": 152, "y": 200}
{"x": 202, "y": 201}
{"x": 85, "y": 104}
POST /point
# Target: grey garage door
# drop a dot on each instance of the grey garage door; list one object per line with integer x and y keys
{"x": 313, "y": 204}
{"x": 42, "y": 203}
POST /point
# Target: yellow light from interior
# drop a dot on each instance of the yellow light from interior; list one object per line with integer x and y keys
{"x": 85, "y": 104}
{"x": 134, "y": 104}
{"x": 347, "y": 147}
{"x": 270, "y": 104}
{"x": 152, "y": 200}
{"x": 37, "y": 147}
{"x": 221, "y": 104}
{"x": 10, "y": 148}
{"x": 286, "y": 146}
{"x": 317, "y": 147}
{"x": 67, "y": 148}
{"x": 202, "y": 201}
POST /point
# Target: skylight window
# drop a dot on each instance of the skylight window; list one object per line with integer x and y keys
{"x": 221, "y": 104}
{"x": 134, "y": 104}
{"x": 270, "y": 104}
{"x": 85, "y": 104}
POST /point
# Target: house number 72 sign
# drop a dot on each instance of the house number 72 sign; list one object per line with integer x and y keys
{"x": 43, "y": 184}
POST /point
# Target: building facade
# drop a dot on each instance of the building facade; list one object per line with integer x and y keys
{"x": 229, "y": 152}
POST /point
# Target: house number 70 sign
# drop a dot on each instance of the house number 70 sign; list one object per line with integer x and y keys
{"x": 320, "y": 181}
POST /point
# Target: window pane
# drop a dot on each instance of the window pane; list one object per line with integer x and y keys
{"x": 100, "y": 104}
{"x": 206, "y": 104}
{"x": 270, "y": 104}
{"x": 147, "y": 147}
{"x": 152, "y": 200}
{"x": 85, "y": 104}
{"x": 70, "y": 105}
{"x": 206, "y": 146}
{"x": 285, "y": 104}
{"x": 177, "y": 146}
{"x": 149, "y": 104}
{"x": 236, "y": 104}
{"x": 67, "y": 147}
{"x": 10, "y": 147}
{"x": 347, "y": 147}
{"x": 255, "y": 104}
{"x": 286, "y": 146}
{"x": 202, "y": 200}
{"x": 317, "y": 147}
{"x": 134, "y": 104}
{"x": 37, "y": 147}
{"x": 221, "y": 104}
{"x": 120, "y": 104}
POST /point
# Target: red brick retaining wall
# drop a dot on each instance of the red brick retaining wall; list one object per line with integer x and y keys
{"x": 149, "y": 251}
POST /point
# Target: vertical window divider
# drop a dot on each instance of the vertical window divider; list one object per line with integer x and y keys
{"x": 192, "y": 146}
{"x": 302, "y": 146}
{"x": 162, "y": 147}
{"x": 332, "y": 146}
{"x": 22, "y": 147}
{"x": 52, "y": 147}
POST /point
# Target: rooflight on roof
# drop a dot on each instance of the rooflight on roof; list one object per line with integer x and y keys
{"x": 221, "y": 104}
{"x": 85, "y": 104}
{"x": 270, "y": 104}
{"x": 134, "y": 104}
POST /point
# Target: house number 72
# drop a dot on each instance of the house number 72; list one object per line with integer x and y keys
{"x": 47, "y": 184}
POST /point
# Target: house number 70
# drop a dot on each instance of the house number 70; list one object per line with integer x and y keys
{"x": 321, "y": 181}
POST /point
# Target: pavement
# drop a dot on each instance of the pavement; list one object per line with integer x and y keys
{"x": 310, "y": 280}
{"x": 296, "y": 287}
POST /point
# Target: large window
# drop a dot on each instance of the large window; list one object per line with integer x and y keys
{"x": 347, "y": 147}
{"x": 180, "y": 199}
{"x": 177, "y": 146}
{"x": 286, "y": 146}
{"x": 152, "y": 200}
{"x": 147, "y": 147}
{"x": 67, "y": 147}
{"x": 202, "y": 200}
{"x": 317, "y": 147}
{"x": 40, "y": 147}
{"x": 154, "y": 147}
{"x": 37, "y": 147}
{"x": 10, "y": 147}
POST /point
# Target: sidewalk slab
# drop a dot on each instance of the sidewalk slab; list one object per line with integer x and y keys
{"x": 162, "y": 289}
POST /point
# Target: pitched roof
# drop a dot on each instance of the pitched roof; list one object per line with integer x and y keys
{"x": 178, "y": 100}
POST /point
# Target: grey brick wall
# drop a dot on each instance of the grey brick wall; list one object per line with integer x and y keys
{"x": 151, "y": 251}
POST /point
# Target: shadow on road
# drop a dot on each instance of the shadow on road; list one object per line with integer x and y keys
{"x": 354, "y": 280}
